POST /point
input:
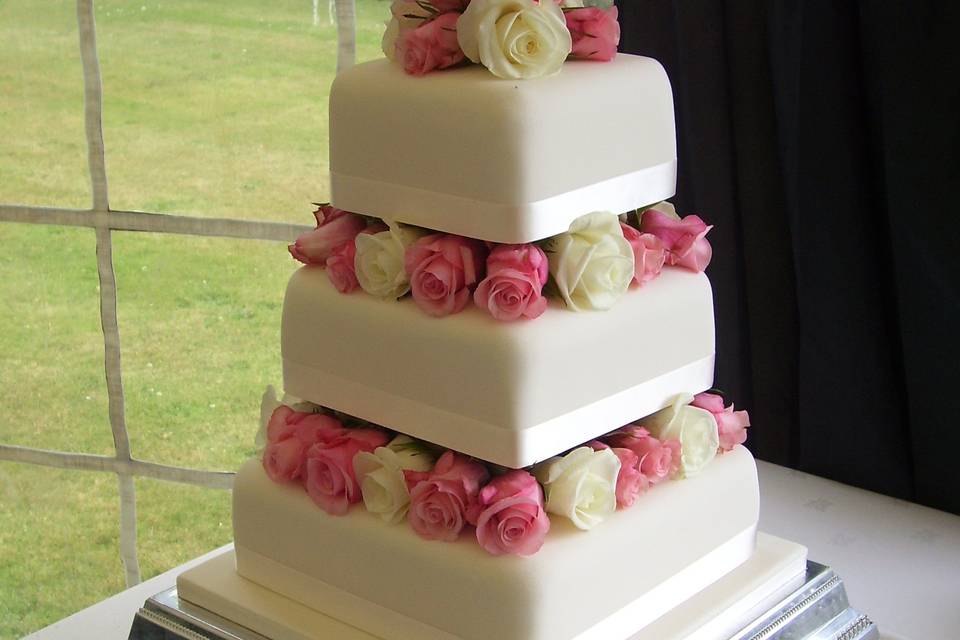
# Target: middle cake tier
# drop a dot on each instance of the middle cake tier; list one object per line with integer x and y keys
{"x": 509, "y": 393}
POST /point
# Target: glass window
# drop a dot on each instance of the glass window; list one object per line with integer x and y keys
{"x": 44, "y": 157}
{"x": 222, "y": 110}
{"x": 52, "y": 386}
{"x": 178, "y": 522}
{"x": 200, "y": 329}
{"x": 62, "y": 526}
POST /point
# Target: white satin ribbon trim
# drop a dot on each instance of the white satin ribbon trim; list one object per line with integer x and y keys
{"x": 511, "y": 223}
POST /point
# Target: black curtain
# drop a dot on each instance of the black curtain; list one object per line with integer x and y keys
{"x": 823, "y": 141}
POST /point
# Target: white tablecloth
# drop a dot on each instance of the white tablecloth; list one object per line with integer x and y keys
{"x": 900, "y": 561}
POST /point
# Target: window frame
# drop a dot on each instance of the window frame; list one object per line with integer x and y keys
{"x": 105, "y": 221}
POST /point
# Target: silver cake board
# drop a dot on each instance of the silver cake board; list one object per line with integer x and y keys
{"x": 776, "y": 595}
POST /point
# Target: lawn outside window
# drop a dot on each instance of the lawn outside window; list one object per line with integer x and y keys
{"x": 225, "y": 241}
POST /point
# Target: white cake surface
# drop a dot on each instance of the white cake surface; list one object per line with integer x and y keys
{"x": 776, "y": 569}
{"x": 465, "y": 152}
{"x": 607, "y": 583}
{"x": 510, "y": 393}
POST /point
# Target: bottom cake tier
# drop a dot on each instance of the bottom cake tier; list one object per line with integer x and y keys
{"x": 607, "y": 583}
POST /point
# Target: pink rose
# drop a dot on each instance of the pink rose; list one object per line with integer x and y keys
{"x": 685, "y": 240}
{"x": 648, "y": 254}
{"x": 318, "y": 427}
{"x": 732, "y": 425}
{"x": 440, "y": 503}
{"x": 282, "y": 423}
{"x": 341, "y": 265}
{"x": 330, "y": 479}
{"x": 311, "y": 427}
{"x": 432, "y": 45}
{"x": 283, "y": 461}
{"x": 335, "y": 227}
{"x": 442, "y": 269}
{"x": 512, "y": 518}
{"x": 631, "y": 483}
{"x": 657, "y": 460}
{"x": 513, "y": 287}
{"x": 289, "y": 435}
{"x": 340, "y": 268}
{"x": 595, "y": 32}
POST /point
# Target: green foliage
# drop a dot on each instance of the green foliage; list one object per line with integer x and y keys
{"x": 211, "y": 109}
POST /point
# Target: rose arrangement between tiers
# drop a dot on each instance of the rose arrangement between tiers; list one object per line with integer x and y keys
{"x": 512, "y": 38}
{"x": 589, "y": 267}
{"x": 341, "y": 461}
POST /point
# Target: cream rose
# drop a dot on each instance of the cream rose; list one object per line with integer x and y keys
{"x": 592, "y": 263}
{"x": 268, "y": 403}
{"x": 381, "y": 479}
{"x": 389, "y": 41}
{"x": 581, "y": 486}
{"x": 515, "y": 38}
{"x": 379, "y": 261}
{"x": 695, "y": 428}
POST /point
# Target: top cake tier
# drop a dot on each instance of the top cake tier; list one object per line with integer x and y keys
{"x": 506, "y": 161}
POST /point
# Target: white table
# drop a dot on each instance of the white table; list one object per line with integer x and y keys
{"x": 900, "y": 561}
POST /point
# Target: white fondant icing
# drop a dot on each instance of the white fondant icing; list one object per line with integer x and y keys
{"x": 776, "y": 569}
{"x": 506, "y": 161}
{"x": 510, "y": 393}
{"x": 676, "y": 540}
{"x": 716, "y": 613}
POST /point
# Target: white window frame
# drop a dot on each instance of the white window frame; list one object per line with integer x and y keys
{"x": 105, "y": 221}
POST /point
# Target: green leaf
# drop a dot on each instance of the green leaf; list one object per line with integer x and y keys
{"x": 426, "y": 6}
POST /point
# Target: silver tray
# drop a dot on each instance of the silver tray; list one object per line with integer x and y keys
{"x": 818, "y": 610}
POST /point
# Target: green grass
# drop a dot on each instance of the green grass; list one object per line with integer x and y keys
{"x": 211, "y": 109}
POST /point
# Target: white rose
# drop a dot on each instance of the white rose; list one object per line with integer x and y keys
{"x": 380, "y": 476}
{"x": 268, "y": 403}
{"x": 581, "y": 485}
{"x": 515, "y": 38}
{"x": 592, "y": 263}
{"x": 379, "y": 261}
{"x": 695, "y": 428}
{"x": 389, "y": 41}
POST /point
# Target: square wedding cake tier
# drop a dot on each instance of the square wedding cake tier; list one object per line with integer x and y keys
{"x": 509, "y": 393}
{"x": 604, "y": 584}
{"x": 467, "y": 153}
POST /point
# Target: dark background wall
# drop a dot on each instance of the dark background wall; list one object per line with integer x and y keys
{"x": 823, "y": 141}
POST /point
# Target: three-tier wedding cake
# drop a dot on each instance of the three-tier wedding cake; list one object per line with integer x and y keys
{"x": 498, "y": 357}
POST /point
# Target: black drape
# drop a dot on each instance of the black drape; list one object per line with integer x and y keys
{"x": 823, "y": 141}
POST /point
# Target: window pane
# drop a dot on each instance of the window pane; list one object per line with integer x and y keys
{"x": 44, "y": 157}
{"x": 63, "y": 528}
{"x": 178, "y": 522}
{"x": 220, "y": 109}
{"x": 52, "y": 386}
{"x": 372, "y": 15}
{"x": 201, "y": 339}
